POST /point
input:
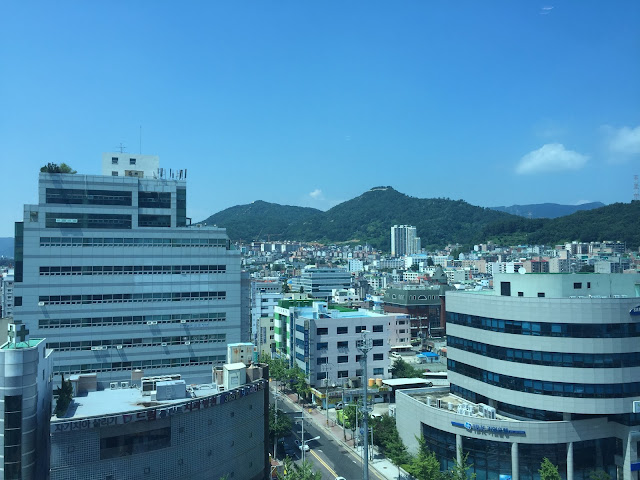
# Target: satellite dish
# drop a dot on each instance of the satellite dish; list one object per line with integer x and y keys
{"x": 522, "y": 270}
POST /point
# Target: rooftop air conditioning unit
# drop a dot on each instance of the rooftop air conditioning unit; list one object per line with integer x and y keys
{"x": 124, "y": 384}
{"x": 113, "y": 385}
{"x": 187, "y": 343}
{"x": 152, "y": 323}
{"x": 119, "y": 347}
{"x": 183, "y": 321}
{"x": 41, "y": 304}
{"x": 163, "y": 344}
{"x": 98, "y": 348}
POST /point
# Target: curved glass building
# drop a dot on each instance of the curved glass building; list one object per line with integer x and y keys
{"x": 544, "y": 365}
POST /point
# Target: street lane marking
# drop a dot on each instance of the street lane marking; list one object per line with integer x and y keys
{"x": 331, "y": 471}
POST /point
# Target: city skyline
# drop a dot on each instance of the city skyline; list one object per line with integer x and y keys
{"x": 496, "y": 104}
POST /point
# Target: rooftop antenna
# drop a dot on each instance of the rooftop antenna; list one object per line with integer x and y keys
{"x": 140, "y": 139}
{"x": 636, "y": 191}
{"x": 121, "y": 147}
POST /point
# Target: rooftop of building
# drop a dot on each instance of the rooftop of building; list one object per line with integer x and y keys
{"x": 130, "y": 399}
{"x": 440, "y": 397}
{"x": 29, "y": 343}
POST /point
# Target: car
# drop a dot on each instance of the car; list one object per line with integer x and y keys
{"x": 340, "y": 478}
{"x": 339, "y": 406}
{"x": 299, "y": 445}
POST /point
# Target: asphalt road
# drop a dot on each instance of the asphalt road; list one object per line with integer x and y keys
{"x": 327, "y": 455}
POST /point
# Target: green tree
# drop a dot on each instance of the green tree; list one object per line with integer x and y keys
{"x": 459, "y": 470}
{"x": 65, "y": 396}
{"x": 285, "y": 287}
{"x": 55, "y": 168}
{"x": 401, "y": 369}
{"x": 303, "y": 471}
{"x": 599, "y": 475}
{"x": 301, "y": 289}
{"x": 298, "y": 382}
{"x": 279, "y": 425}
{"x": 350, "y": 412}
{"x": 425, "y": 465}
{"x": 414, "y": 267}
{"x": 548, "y": 471}
{"x": 430, "y": 262}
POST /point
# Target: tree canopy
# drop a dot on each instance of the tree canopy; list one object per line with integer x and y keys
{"x": 55, "y": 168}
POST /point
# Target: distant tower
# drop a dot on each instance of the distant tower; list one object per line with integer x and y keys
{"x": 636, "y": 192}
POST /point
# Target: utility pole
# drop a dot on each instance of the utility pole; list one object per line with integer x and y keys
{"x": 364, "y": 345}
{"x": 301, "y": 418}
{"x": 275, "y": 426}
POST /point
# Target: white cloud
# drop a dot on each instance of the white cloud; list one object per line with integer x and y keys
{"x": 551, "y": 157}
{"x": 316, "y": 194}
{"x": 623, "y": 141}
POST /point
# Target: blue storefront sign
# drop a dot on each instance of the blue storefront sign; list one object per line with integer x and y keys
{"x": 635, "y": 311}
{"x": 478, "y": 428}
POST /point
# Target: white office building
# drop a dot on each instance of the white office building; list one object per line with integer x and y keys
{"x": 545, "y": 365}
{"x": 404, "y": 240}
{"x": 6, "y": 293}
{"x": 265, "y": 295}
{"x": 324, "y": 342}
{"x": 110, "y": 272}
{"x": 319, "y": 282}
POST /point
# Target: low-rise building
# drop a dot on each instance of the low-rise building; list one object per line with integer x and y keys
{"x": 162, "y": 428}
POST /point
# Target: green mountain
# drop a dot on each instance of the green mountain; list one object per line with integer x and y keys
{"x": 367, "y": 218}
{"x": 439, "y": 221}
{"x": 259, "y": 220}
{"x": 547, "y": 210}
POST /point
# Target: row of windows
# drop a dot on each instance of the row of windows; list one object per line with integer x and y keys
{"x": 132, "y": 269}
{"x": 129, "y": 297}
{"x": 345, "y": 358}
{"x": 132, "y": 242}
{"x": 540, "y": 387}
{"x": 131, "y": 320}
{"x": 554, "y": 359}
{"x": 573, "y": 330}
{"x": 135, "y": 443}
{"x": 154, "y": 220}
{"x": 88, "y": 220}
{"x": 139, "y": 364}
{"x": 76, "y": 196}
{"x": 378, "y": 342}
{"x": 345, "y": 373}
{"x": 345, "y": 330}
{"x": 154, "y": 199}
{"x": 136, "y": 342}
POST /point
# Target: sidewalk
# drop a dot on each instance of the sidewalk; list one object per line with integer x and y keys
{"x": 380, "y": 467}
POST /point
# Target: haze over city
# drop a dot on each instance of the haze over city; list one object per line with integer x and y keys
{"x": 495, "y": 103}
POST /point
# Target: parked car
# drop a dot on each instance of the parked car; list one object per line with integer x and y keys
{"x": 339, "y": 406}
{"x": 299, "y": 445}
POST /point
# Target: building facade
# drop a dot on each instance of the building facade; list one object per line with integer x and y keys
{"x": 404, "y": 240}
{"x": 6, "y": 293}
{"x": 319, "y": 282}
{"x": 424, "y": 304}
{"x": 168, "y": 431}
{"x": 542, "y": 366}
{"x": 25, "y": 406}
{"x": 265, "y": 295}
{"x": 109, "y": 272}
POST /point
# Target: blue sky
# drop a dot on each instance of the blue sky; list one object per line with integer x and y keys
{"x": 313, "y": 103}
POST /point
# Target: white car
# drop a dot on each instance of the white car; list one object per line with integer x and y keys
{"x": 299, "y": 445}
{"x": 340, "y": 478}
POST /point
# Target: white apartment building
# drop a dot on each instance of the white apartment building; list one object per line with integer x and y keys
{"x": 111, "y": 274}
{"x": 6, "y": 293}
{"x": 404, "y": 240}
{"x": 265, "y": 295}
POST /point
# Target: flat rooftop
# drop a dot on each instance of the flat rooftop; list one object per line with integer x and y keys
{"x": 447, "y": 400}
{"x": 32, "y": 342}
{"x": 119, "y": 400}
